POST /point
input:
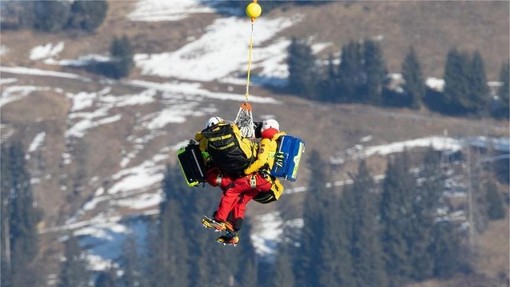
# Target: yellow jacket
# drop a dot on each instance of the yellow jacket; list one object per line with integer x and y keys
{"x": 202, "y": 141}
{"x": 266, "y": 154}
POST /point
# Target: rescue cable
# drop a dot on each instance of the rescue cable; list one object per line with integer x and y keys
{"x": 244, "y": 119}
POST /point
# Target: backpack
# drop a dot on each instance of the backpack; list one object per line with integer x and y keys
{"x": 288, "y": 155}
{"x": 229, "y": 150}
{"x": 272, "y": 195}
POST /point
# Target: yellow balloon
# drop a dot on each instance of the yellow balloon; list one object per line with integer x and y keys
{"x": 253, "y": 10}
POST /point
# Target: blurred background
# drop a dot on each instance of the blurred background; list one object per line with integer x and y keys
{"x": 403, "y": 106}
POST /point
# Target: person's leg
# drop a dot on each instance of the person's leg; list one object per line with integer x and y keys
{"x": 230, "y": 197}
{"x": 240, "y": 207}
{"x": 262, "y": 185}
{"x": 226, "y": 182}
{"x": 215, "y": 177}
{"x": 211, "y": 176}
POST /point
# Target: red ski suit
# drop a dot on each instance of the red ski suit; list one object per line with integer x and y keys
{"x": 239, "y": 192}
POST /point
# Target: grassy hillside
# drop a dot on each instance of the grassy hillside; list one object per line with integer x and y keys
{"x": 432, "y": 27}
{"x": 71, "y": 172}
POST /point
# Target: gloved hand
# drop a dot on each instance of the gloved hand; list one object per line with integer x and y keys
{"x": 199, "y": 136}
{"x": 206, "y": 156}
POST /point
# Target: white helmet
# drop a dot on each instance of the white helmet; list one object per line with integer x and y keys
{"x": 270, "y": 123}
{"x": 213, "y": 121}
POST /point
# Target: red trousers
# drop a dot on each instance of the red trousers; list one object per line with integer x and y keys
{"x": 237, "y": 193}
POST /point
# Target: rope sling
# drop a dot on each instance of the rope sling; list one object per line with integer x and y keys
{"x": 244, "y": 118}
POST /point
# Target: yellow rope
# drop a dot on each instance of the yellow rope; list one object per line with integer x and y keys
{"x": 249, "y": 63}
{"x": 244, "y": 119}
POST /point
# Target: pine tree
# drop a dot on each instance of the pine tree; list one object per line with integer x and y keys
{"x": 414, "y": 84}
{"x": 329, "y": 85}
{"x": 425, "y": 204}
{"x": 478, "y": 97}
{"x": 88, "y": 15}
{"x": 333, "y": 243}
{"x": 20, "y": 241}
{"x": 165, "y": 237}
{"x": 51, "y": 16}
{"x": 303, "y": 70}
{"x": 180, "y": 238}
{"x": 396, "y": 209}
{"x": 132, "y": 264}
{"x": 154, "y": 269}
{"x": 122, "y": 51}
{"x": 445, "y": 249}
{"x": 502, "y": 110}
{"x": 246, "y": 273}
{"x": 210, "y": 268}
{"x": 120, "y": 65}
{"x": 74, "y": 269}
{"x": 457, "y": 87}
{"x": 361, "y": 220}
{"x": 351, "y": 75}
{"x": 375, "y": 69}
{"x": 474, "y": 180}
{"x": 323, "y": 239}
{"x": 283, "y": 275}
{"x": 314, "y": 223}
{"x": 106, "y": 279}
{"x": 6, "y": 187}
{"x": 17, "y": 14}
{"x": 495, "y": 207}
{"x": 246, "y": 263}
{"x": 168, "y": 250}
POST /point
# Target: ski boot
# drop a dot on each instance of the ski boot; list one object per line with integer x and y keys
{"x": 208, "y": 222}
{"x": 231, "y": 238}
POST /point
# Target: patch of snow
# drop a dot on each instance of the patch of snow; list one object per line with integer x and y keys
{"x": 172, "y": 114}
{"x": 177, "y": 89}
{"x": 6, "y": 81}
{"x": 438, "y": 143}
{"x": 15, "y": 93}
{"x": 81, "y": 100}
{"x": 3, "y": 50}
{"x": 147, "y": 174}
{"x": 318, "y": 47}
{"x": 39, "y": 72}
{"x": 204, "y": 58}
{"x": 499, "y": 144}
{"x": 145, "y": 97}
{"x": 366, "y": 139}
{"x": 104, "y": 238}
{"x": 89, "y": 120}
{"x": 46, "y": 51}
{"x": 158, "y": 10}
{"x": 80, "y": 62}
{"x": 37, "y": 142}
{"x": 494, "y": 84}
{"x": 435, "y": 84}
{"x": 141, "y": 201}
{"x": 268, "y": 234}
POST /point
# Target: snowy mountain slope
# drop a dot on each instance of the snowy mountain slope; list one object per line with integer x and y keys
{"x": 97, "y": 148}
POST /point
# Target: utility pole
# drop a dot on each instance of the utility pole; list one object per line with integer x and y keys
{"x": 471, "y": 237}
